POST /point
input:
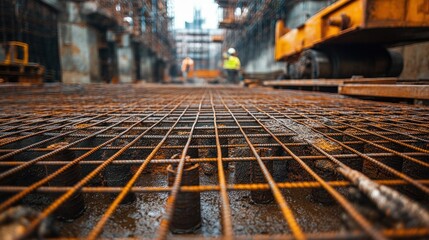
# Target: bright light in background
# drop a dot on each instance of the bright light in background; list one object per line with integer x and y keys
{"x": 184, "y": 11}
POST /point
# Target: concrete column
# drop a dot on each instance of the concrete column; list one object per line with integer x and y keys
{"x": 146, "y": 64}
{"x": 126, "y": 63}
{"x": 78, "y": 47}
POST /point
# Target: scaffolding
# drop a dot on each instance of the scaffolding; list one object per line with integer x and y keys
{"x": 148, "y": 21}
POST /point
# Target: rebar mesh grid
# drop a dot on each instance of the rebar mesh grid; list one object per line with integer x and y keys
{"x": 89, "y": 162}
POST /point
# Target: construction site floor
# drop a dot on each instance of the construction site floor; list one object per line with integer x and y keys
{"x": 91, "y": 161}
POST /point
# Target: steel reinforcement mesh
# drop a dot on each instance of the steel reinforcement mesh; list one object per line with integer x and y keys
{"x": 137, "y": 161}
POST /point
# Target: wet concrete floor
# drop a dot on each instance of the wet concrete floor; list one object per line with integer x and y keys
{"x": 142, "y": 217}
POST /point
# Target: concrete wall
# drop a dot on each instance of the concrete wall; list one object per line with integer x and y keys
{"x": 264, "y": 62}
{"x": 260, "y": 56}
{"x": 416, "y": 61}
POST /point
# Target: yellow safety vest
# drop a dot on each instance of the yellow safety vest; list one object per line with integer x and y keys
{"x": 232, "y": 63}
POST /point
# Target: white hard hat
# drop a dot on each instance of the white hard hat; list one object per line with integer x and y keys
{"x": 231, "y": 51}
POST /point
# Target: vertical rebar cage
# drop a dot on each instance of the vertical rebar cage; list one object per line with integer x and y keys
{"x": 142, "y": 161}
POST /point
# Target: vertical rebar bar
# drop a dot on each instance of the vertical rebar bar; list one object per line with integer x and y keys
{"x": 256, "y": 176}
{"x": 75, "y": 205}
{"x": 187, "y": 214}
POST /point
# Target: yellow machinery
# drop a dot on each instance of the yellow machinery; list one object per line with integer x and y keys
{"x": 14, "y": 65}
{"x": 351, "y": 37}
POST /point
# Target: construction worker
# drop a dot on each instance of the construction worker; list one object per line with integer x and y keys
{"x": 232, "y": 66}
{"x": 187, "y": 66}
